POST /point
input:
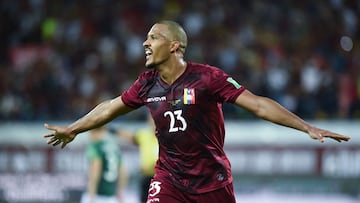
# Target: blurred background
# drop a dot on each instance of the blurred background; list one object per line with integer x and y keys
{"x": 58, "y": 59}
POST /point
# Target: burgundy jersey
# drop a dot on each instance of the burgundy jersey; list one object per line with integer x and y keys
{"x": 189, "y": 124}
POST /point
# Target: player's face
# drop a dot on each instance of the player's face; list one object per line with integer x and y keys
{"x": 157, "y": 46}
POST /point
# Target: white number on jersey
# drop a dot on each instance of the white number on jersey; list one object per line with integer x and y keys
{"x": 154, "y": 188}
{"x": 176, "y": 116}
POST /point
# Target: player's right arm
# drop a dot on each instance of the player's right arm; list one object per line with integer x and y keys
{"x": 100, "y": 115}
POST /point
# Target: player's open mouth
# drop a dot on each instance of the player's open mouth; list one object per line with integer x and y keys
{"x": 148, "y": 53}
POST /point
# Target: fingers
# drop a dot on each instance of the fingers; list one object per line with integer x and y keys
{"x": 63, "y": 145}
{"x": 317, "y": 136}
{"x": 56, "y": 137}
{"x": 321, "y": 134}
{"x": 56, "y": 143}
{"x": 47, "y": 126}
{"x": 327, "y": 134}
{"x": 338, "y": 137}
{"x": 52, "y": 140}
{"x": 344, "y": 138}
{"x": 49, "y": 135}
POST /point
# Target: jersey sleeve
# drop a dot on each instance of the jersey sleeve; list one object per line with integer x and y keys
{"x": 130, "y": 97}
{"x": 224, "y": 87}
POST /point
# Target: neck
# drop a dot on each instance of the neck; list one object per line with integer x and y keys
{"x": 170, "y": 73}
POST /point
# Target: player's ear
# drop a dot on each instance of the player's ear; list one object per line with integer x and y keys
{"x": 175, "y": 45}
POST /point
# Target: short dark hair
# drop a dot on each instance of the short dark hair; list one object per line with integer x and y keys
{"x": 178, "y": 33}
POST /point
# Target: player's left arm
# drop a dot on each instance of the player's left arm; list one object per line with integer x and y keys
{"x": 270, "y": 110}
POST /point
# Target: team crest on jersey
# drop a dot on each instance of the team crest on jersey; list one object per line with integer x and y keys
{"x": 189, "y": 96}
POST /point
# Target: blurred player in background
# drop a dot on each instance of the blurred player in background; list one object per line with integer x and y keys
{"x": 107, "y": 177}
{"x": 145, "y": 139}
{"x": 185, "y": 100}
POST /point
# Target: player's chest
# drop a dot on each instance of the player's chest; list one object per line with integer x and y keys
{"x": 183, "y": 95}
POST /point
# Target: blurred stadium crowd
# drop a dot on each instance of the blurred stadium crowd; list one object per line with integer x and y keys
{"x": 58, "y": 59}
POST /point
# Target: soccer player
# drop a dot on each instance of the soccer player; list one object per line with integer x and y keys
{"x": 107, "y": 176}
{"x": 185, "y": 100}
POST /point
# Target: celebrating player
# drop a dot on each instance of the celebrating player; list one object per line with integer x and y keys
{"x": 185, "y": 100}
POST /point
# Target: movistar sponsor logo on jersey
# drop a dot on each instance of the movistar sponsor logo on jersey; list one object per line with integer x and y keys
{"x": 156, "y": 99}
{"x": 232, "y": 81}
{"x": 189, "y": 96}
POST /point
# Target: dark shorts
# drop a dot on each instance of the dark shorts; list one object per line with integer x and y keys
{"x": 165, "y": 192}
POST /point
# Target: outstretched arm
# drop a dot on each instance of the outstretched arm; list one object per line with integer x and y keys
{"x": 270, "y": 110}
{"x": 100, "y": 115}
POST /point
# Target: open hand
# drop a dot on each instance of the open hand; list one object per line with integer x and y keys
{"x": 59, "y": 135}
{"x": 320, "y": 134}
